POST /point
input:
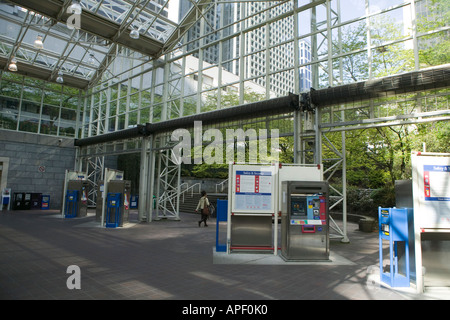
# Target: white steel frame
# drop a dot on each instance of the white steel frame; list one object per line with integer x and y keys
{"x": 129, "y": 88}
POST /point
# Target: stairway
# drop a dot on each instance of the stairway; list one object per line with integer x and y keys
{"x": 190, "y": 202}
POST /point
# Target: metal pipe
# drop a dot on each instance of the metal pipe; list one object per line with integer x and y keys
{"x": 277, "y": 105}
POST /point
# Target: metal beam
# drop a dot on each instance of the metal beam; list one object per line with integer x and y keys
{"x": 191, "y": 18}
{"x": 44, "y": 73}
{"x": 94, "y": 24}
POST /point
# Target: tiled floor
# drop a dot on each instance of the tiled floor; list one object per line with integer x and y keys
{"x": 171, "y": 260}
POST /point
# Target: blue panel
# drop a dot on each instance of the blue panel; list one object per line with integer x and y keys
{"x": 222, "y": 210}
{"x": 222, "y": 215}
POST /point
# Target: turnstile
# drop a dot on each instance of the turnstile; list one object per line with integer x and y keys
{"x": 305, "y": 221}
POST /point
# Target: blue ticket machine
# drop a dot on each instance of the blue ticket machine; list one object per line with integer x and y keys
{"x": 113, "y": 210}
{"x": 71, "y": 207}
{"x": 396, "y": 226}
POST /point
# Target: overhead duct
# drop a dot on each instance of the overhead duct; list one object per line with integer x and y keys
{"x": 433, "y": 78}
{"x": 251, "y": 110}
{"x": 137, "y": 131}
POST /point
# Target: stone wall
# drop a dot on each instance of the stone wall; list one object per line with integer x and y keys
{"x": 36, "y": 163}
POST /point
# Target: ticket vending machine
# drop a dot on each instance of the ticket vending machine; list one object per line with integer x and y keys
{"x": 396, "y": 226}
{"x": 71, "y": 204}
{"x": 114, "y": 210}
{"x": 76, "y": 199}
{"x": 305, "y": 221}
{"x": 123, "y": 188}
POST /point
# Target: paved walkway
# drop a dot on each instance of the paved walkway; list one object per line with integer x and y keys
{"x": 173, "y": 260}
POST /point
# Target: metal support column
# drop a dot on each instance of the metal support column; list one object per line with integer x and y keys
{"x": 144, "y": 196}
{"x": 167, "y": 182}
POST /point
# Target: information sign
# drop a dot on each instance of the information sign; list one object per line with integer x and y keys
{"x": 253, "y": 190}
{"x": 431, "y": 190}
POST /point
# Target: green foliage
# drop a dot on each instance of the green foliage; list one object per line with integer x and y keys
{"x": 366, "y": 201}
{"x": 384, "y": 197}
{"x": 359, "y": 201}
{"x": 434, "y": 48}
{"x": 377, "y": 157}
{"x": 219, "y": 171}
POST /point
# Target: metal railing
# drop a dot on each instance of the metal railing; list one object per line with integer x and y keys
{"x": 189, "y": 189}
{"x": 221, "y": 185}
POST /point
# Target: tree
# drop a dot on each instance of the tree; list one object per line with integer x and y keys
{"x": 434, "y": 47}
{"x": 379, "y": 156}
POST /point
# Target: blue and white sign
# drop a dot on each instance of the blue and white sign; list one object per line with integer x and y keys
{"x": 253, "y": 190}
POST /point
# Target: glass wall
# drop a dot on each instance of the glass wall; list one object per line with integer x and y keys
{"x": 245, "y": 52}
{"x": 37, "y": 106}
{"x": 237, "y": 53}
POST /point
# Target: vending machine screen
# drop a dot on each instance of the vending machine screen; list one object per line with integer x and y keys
{"x": 298, "y": 206}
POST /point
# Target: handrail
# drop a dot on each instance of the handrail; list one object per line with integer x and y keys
{"x": 168, "y": 196}
{"x": 192, "y": 188}
{"x": 221, "y": 185}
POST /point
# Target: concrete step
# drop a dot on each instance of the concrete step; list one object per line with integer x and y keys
{"x": 190, "y": 202}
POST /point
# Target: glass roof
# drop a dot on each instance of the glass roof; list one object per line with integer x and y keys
{"x": 150, "y": 17}
{"x": 76, "y": 52}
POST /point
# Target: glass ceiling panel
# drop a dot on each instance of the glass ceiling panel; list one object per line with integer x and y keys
{"x": 149, "y": 17}
{"x": 75, "y": 52}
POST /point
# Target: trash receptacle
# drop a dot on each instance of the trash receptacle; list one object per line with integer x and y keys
{"x": 36, "y": 201}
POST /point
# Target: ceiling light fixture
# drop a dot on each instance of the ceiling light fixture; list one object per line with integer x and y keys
{"x": 91, "y": 59}
{"x": 38, "y": 44}
{"x": 13, "y": 65}
{"x": 75, "y": 7}
{"x": 60, "y": 78}
{"x": 134, "y": 34}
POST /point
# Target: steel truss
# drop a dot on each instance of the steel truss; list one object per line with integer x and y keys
{"x": 316, "y": 123}
{"x": 359, "y": 105}
{"x": 312, "y": 125}
{"x": 167, "y": 182}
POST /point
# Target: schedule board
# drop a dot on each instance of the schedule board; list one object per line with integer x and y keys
{"x": 253, "y": 189}
{"x": 431, "y": 190}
